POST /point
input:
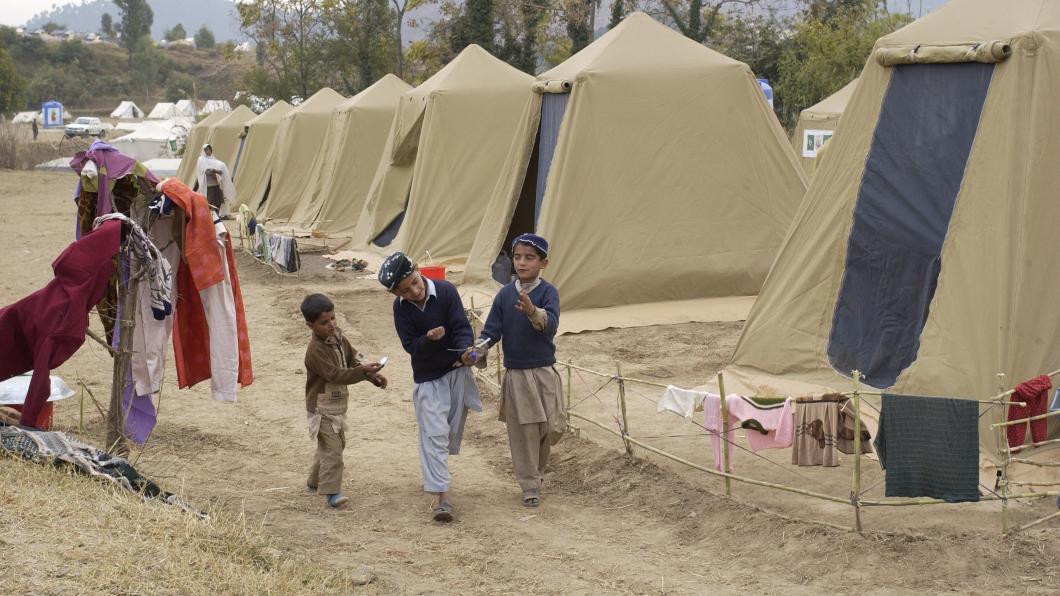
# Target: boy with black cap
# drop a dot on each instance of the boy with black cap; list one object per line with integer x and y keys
{"x": 525, "y": 317}
{"x": 430, "y": 320}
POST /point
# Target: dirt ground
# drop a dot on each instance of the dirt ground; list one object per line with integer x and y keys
{"x": 609, "y": 523}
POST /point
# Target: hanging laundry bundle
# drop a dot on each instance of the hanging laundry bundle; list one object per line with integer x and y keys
{"x": 768, "y": 426}
{"x": 47, "y": 327}
{"x": 929, "y": 447}
{"x": 816, "y": 426}
{"x": 1034, "y": 393}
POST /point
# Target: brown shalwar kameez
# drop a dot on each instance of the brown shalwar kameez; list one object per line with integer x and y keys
{"x": 533, "y": 409}
{"x": 331, "y": 364}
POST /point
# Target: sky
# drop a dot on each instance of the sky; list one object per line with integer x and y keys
{"x": 17, "y": 12}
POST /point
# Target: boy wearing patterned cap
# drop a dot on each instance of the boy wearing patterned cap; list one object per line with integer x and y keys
{"x": 430, "y": 320}
{"x": 525, "y": 317}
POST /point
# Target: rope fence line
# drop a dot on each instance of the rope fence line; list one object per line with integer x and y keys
{"x": 621, "y": 430}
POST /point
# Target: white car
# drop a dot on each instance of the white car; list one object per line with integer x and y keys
{"x": 85, "y": 127}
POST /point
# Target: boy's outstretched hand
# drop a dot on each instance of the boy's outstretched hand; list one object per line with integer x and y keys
{"x": 524, "y": 305}
{"x": 468, "y": 360}
{"x": 436, "y": 333}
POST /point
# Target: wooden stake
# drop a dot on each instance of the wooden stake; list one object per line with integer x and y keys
{"x": 81, "y": 419}
{"x": 568, "y": 388}
{"x": 1006, "y": 459}
{"x": 116, "y": 414}
{"x": 622, "y": 405}
{"x": 855, "y": 490}
{"x": 725, "y": 438}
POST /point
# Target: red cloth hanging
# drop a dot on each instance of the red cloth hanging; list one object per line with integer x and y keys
{"x": 201, "y": 267}
{"x": 44, "y": 329}
{"x": 1035, "y": 393}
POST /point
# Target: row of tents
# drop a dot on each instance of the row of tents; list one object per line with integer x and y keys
{"x": 921, "y": 253}
{"x": 165, "y": 110}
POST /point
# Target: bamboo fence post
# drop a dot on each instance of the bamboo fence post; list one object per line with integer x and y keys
{"x": 568, "y": 387}
{"x": 81, "y": 419}
{"x": 855, "y": 490}
{"x": 1007, "y": 458}
{"x": 725, "y": 435}
{"x": 122, "y": 360}
{"x": 622, "y": 405}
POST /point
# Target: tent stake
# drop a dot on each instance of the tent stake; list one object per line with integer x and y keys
{"x": 622, "y": 405}
{"x": 855, "y": 490}
{"x": 725, "y": 438}
{"x": 568, "y": 394}
{"x": 1006, "y": 456}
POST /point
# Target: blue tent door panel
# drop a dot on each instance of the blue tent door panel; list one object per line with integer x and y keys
{"x": 913, "y": 173}
{"x": 553, "y": 107}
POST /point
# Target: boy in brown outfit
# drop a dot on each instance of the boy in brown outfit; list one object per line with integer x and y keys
{"x": 331, "y": 364}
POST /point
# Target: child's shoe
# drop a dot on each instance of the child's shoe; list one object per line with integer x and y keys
{"x": 337, "y": 500}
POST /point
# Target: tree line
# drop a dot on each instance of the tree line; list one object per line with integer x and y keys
{"x": 808, "y": 49}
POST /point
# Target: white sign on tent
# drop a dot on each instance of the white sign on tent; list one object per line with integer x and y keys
{"x": 813, "y": 140}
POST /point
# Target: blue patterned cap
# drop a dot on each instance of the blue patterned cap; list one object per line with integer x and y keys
{"x": 532, "y": 240}
{"x": 395, "y": 268}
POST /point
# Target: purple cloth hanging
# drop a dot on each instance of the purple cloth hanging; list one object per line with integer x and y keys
{"x": 111, "y": 164}
{"x": 140, "y": 416}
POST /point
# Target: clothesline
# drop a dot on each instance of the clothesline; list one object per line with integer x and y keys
{"x": 1026, "y": 420}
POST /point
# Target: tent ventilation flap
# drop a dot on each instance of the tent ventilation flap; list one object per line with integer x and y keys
{"x": 986, "y": 52}
{"x": 552, "y": 87}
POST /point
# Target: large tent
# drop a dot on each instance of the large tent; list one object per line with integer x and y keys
{"x": 817, "y": 124}
{"x": 255, "y": 157}
{"x": 924, "y": 254}
{"x": 342, "y": 173}
{"x": 659, "y": 175}
{"x": 298, "y": 141}
{"x": 446, "y": 149}
{"x": 224, "y": 136}
{"x": 150, "y": 140}
{"x": 127, "y": 110}
{"x": 198, "y": 136}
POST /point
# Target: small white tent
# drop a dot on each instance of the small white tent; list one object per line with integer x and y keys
{"x": 25, "y": 117}
{"x": 186, "y": 107}
{"x": 162, "y": 111}
{"x": 127, "y": 110}
{"x": 216, "y": 105}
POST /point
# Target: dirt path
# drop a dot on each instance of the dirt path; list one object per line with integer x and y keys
{"x": 609, "y": 524}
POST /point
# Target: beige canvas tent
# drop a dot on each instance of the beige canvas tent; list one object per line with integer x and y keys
{"x": 817, "y": 125}
{"x": 255, "y": 159}
{"x": 924, "y": 255}
{"x": 225, "y": 135}
{"x": 198, "y": 137}
{"x": 659, "y": 175}
{"x": 298, "y": 141}
{"x": 446, "y": 149}
{"x": 342, "y": 173}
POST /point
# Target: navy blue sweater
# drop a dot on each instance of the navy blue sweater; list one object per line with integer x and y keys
{"x": 524, "y": 346}
{"x": 433, "y": 359}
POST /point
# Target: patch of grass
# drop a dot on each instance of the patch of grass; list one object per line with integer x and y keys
{"x": 65, "y": 533}
{"x": 18, "y": 150}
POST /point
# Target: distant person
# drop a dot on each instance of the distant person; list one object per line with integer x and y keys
{"x": 331, "y": 364}
{"x": 214, "y": 180}
{"x": 36, "y": 130}
{"x": 525, "y": 317}
{"x": 434, "y": 330}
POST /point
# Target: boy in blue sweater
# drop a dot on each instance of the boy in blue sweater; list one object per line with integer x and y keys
{"x": 525, "y": 317}
{"x": 434, "y": 330}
